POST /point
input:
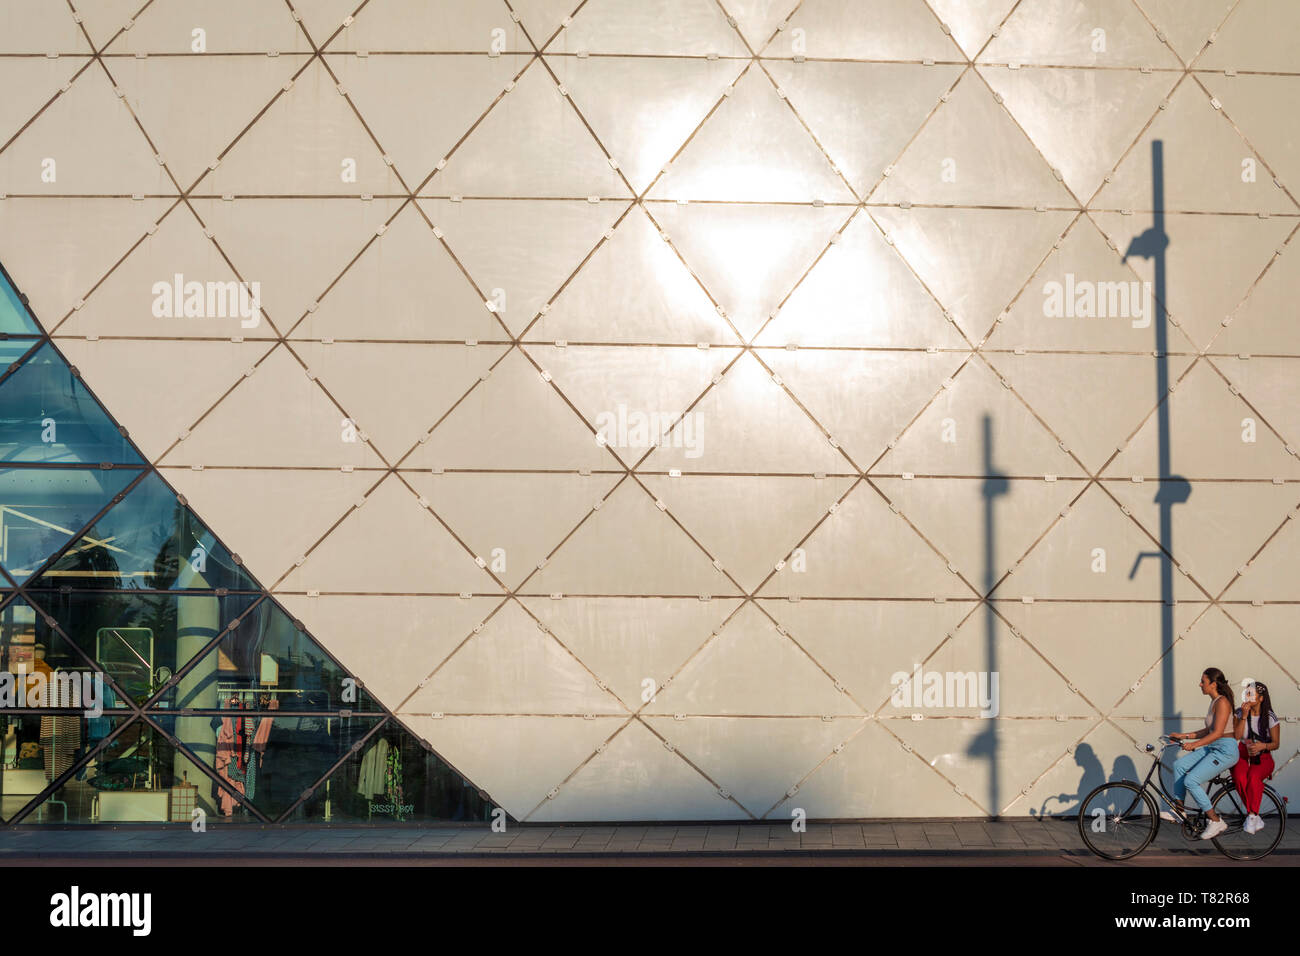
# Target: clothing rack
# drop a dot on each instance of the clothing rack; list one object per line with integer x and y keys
{"x": 233, "y": 689}
{"x": 226, "y": 690}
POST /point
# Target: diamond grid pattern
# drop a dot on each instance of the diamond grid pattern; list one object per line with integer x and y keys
{"x": 1034, "y": 137}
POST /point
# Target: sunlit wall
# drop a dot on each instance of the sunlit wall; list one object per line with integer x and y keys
{"x": 706, "y": 409}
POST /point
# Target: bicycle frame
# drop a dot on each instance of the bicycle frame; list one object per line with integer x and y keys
{"x": 1172, "y": 803}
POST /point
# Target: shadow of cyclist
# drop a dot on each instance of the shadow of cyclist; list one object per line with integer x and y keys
{"x": 1094, "y": 775}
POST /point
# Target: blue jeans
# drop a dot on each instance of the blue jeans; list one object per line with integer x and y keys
{"x": 1194, "y": 767}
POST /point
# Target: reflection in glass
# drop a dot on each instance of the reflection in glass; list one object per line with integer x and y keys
{"x": 141, "y": 640}
{"x": 47, "y": 415}
{"x": 138, "y": 776}
{"x": 270, "y": 759}
{"x": 38, "y": 668}
{"x": 11, "y": 350}
{"x": 148, "y": 540}
{"x": 42, "y": 508}
{"x": 394, "y": 779}
{"x": 31, "y": 747}
{"x": 14, "y": 318}
{"x": 266, "y": 658}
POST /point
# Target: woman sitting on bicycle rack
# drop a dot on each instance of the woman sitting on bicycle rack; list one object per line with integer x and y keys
{"x": 1259, "y": 731}
{"x": 1218, "y": 751}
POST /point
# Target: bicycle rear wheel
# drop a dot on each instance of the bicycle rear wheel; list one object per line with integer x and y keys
{"x": 1118, "y": 820}
{"x": 1234, "y": 842}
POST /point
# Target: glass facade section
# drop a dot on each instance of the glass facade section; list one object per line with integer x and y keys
{"x": 47, "y": 415}
{"x": 142, "y": 640}
{"x": 394, "y": 778}
{"x": 14, "y": 317}
{"x": 38, "y": 668}
{"x": 11, "y": 350}
{"x": 34, "y": 750}
{"x": 145, "y": 677}
{"x": 271, "y": 760}
{"x": 266, "y": 658}
{"x": 42, "y": 509}
{"x": 149, "y": 540}
{"x": 132, "y": 773}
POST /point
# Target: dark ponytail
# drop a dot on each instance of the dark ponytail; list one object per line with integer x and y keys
{"x": 1221, "y": 685}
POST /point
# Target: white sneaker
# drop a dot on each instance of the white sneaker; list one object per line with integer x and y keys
{"x": 1214, "y": 829}
{"x": 1259, "y": 822}
{"x": 1249, "y": 825}
{"x": 1168, "y": 816}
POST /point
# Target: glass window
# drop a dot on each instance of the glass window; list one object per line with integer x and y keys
{"x": 148, "y": 540}
{"x": 142, "y": 640}
{"x": 394, "y": 779}
{"x": 268, "y": 659}
{"x": 11, "y": 350}
{"x": 273, "y": 760}
{"x": 41, "y": 509}
{"x": 47, "y": 415}
{"x": 34, "y": 749}
{"x": 38, "y": 668}
{"x": 137, "y": 776}
{"x": 14, "y": 317}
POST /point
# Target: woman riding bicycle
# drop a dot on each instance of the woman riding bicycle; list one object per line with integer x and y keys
{"x": 1217, "y": 751}
{"x": 1258, "y": 731}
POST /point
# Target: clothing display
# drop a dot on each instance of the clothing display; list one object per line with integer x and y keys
{"x": 380, "y": 779}
{"x": 393, "y": 782}
{"x": 241, "y": 744}
{"x": 373, "y": 770}
{"x": 61, "y": 739}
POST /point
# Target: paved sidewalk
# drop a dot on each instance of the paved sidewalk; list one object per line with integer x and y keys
{"x": 1003, "y": 840}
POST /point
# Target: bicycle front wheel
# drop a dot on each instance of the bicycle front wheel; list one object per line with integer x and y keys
{"x": 1118, "y": 820}
{"x": 1234, "y": 842}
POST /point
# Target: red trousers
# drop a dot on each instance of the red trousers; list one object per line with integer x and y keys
{"x": 1250, "y": 778}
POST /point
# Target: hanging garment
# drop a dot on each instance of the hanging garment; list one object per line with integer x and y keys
{"x": 61, "y": 739}
{"x": 242, "y": 769}
{"x": 241, "y": 743}
{"x": 393, "y": 782}
{"x": 224, "y": 757}
{"x": 373, "y": 767}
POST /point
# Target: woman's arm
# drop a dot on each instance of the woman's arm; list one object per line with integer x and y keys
{"x": 1258, "y": 746}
